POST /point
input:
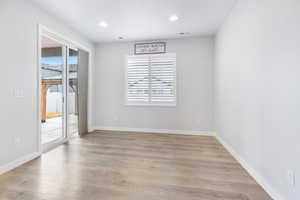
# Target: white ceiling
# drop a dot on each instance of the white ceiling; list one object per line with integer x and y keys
{"x": 140, "y": 19}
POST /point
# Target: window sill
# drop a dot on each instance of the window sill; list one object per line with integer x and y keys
{"x": 150, "y": 105}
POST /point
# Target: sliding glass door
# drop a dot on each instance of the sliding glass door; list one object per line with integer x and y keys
{"x": 59, "y": 92}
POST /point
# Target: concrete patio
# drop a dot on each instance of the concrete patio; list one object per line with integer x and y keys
{"x": 52, "y": 128}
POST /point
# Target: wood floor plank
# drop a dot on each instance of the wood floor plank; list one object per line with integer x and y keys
{"x": 132, "y": 166}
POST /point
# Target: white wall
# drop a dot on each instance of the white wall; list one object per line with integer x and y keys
{"x": 18, "y": 52}
{"x": 257, "y": 88}
{"x": 194, "y": 88}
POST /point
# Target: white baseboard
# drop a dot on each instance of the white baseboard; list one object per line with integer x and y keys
{"x": 259, "y": 179}
{"x": 18, "y": 162}
{"x": 91, "y": 129}
{"x": 148, "y": 130}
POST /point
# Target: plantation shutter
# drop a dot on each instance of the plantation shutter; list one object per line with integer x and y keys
{"x": 163, "y": 78}
{"x": 138, "y": 79}
{"x": 151, "y": 80}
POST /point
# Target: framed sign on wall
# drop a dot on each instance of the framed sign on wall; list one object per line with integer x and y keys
{"x": 150, "y": 48}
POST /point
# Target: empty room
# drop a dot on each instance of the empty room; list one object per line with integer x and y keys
{"x": 150, "y": 99}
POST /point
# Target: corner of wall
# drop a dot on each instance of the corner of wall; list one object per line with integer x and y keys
{"x": 251, "y": 170}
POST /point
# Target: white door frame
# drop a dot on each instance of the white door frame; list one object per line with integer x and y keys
{"x": 45, "y": 31}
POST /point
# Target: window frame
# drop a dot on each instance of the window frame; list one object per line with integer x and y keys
{"x": 150, "y": 103}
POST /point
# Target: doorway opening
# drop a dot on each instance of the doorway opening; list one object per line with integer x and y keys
{"x": 63, "y": 73}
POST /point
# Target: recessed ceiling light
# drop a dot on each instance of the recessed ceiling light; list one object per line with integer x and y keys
{"x": 173, "y": 18}
{"x": 103, "y": 24}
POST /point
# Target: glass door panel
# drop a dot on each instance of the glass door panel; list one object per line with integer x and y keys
{"x": 72, "y": 92}
{"x": 52, "y": 91}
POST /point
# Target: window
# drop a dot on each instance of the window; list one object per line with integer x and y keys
{"x": 151, "y": 80}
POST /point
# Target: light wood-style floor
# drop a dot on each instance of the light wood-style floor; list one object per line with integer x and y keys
{"x": 133, "y": 166}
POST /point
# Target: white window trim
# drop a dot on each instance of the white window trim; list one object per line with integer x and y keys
{"x": 149, "y": 104}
